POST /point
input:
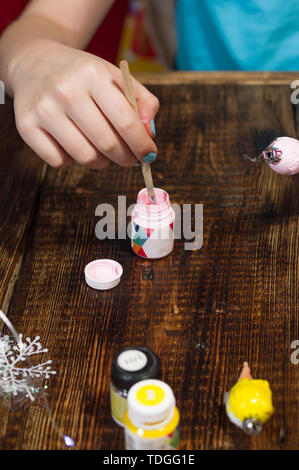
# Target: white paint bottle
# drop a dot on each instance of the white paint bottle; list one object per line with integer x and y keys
{"x": 152, "y": 419}
{"x": 152, "y": 225}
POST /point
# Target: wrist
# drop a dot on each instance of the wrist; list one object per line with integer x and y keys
{"x": 22, "y": 42}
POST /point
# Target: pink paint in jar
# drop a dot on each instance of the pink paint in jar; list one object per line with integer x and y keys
{"x": 152, "y": 225}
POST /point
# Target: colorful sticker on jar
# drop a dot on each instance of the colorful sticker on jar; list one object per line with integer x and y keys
{"x": 147, "y": 243}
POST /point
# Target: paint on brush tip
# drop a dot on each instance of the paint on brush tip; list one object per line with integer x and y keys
{"x": 103, "y": 274}
{"x": 151, "y": 196}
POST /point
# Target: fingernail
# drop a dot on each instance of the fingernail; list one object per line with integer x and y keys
{"x": 150, "y": 157}
{"x": 153, "y": 126}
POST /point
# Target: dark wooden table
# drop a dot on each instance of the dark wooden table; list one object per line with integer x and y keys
{"x": 204, "y": 312}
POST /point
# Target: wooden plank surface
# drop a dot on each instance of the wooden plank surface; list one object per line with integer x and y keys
{"x": 21, "y": 176}
{"x": 204, "y": 312}
{"x": 217, "y": 78}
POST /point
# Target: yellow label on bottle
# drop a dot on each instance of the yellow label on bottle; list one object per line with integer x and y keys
{"x": 164, "y": 438}
{"x": 118, "y": 405}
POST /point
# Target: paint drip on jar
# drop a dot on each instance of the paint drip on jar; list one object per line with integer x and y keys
{"x": 282, "y": 155}
{"x": 152, "y": 225}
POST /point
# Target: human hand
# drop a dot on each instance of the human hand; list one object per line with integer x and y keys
{"x": 70, "y": 106}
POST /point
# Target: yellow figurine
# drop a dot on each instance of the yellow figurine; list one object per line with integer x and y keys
{"x": 249, "y": 403}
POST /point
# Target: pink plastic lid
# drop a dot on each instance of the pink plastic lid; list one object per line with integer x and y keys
{"x": 103, "y": 274}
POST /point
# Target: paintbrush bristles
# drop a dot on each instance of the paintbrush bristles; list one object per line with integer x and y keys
{"x": 130, "y": 95}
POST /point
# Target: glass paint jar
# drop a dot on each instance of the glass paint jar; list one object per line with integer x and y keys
{"x": 152, "y": 225}
{"x": 152, "y": 419}
{"x": 129, "y": 366}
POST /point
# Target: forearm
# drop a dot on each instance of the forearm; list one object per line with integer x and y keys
{"x": 40, "y": 24}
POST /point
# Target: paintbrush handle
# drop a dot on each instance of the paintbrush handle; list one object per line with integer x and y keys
{"x": 129, "y": 91}
{"x": 130, "y": 95}
{"x": 147, "y": 175}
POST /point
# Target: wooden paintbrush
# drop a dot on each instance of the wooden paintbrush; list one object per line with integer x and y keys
{"x": 146, "y": 169}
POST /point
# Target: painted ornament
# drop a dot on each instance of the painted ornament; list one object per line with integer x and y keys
{"x": 282, "y": 155}
{"x": 248, "y": 404}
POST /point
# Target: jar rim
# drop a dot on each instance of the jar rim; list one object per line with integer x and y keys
{"x": 145, "y": 208}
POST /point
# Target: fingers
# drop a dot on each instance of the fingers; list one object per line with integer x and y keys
{"x": 148, "y": 104}
{"x": 67, "y": 134}
{"x": 86, "y": 117}
{"x": 124, "y": 119}
{"x": 95, "y": 126}
{"x": 44, "y": 145}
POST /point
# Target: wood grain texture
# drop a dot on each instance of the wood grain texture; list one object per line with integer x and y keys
{"x": 204, "y": 312}
{"x": 217, "y": 78}
{"x": 21, "y": 175}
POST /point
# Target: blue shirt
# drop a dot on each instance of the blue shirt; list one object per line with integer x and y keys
{"x": 237, "y": 34}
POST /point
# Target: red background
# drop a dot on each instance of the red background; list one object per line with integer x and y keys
{"x": 105, "y": 41}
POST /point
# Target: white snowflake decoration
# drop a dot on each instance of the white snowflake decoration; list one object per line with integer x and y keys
{"x": 15, "y": 379}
